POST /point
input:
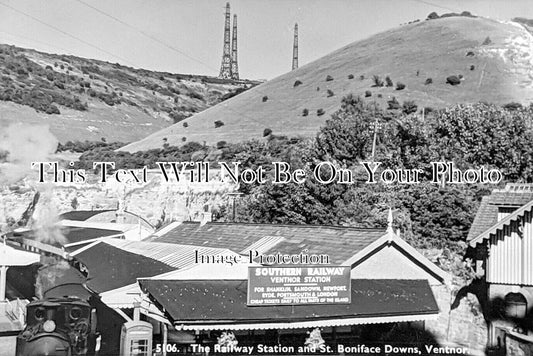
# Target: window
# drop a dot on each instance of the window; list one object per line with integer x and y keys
{"x": 139, "y": 348}
{"x": 515, "y": 305}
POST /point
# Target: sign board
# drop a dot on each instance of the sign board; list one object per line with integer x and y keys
{"x": 299, "y": 285}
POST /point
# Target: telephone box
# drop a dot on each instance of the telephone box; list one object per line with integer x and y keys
{"x": 136, "y": 339}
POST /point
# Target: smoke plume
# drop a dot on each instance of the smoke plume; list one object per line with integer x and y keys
{"x": 21, "y": 144}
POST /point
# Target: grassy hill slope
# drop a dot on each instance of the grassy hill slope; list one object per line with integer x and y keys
{"x": 494, "y": 59}
{"x": 85, "y": 99}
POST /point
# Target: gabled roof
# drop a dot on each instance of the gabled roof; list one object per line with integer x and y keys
{"x": 340, "y": 243}
{"x": 514, "y": 216}
{"x": 392, "y": 239}
{"x": 512, "y": 196}
{"x": 110, "y": 267}
{"x": 216, "y": 304}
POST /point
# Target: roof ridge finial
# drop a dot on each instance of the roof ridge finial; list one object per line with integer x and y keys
{"x": 390, "y": 221}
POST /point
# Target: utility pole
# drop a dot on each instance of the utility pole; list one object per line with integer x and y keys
{"x": 376, "y": 126}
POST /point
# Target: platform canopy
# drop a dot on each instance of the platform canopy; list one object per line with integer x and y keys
{"x": 10, "y": 256}
{"x": 222, "y": 305}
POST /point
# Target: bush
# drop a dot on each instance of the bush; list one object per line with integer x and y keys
{"x": 184, "y": 138}
{"x": 429, "y": 81}
{"x": 361, "y": 77}
{"x": 453, "y": 80}
{"x": 368, "y": 94}
{"x": 305, "y": 112}
{"x": 218, "y": 123}
{"x": 329, "y": 78}
{"x": 472, "y": 67}
{"x": 296, "y": 83}
{"x": 266, "y": 132}
{"x": 400, "y": 86}
{"x": 265, "y": 98}
{"x": 512, "y": 106}
{"x": 487, "y": 41}
{"x": 380, "y": 96}
{"x": 389, "y": 82}
{"x": 330, "y": 93}
{"x": 432, "y": 16}
{"x": 52, "y": 109}
{"x": 470, "y": 54}
{"x": 185, "y": 124}
{"x": 320, "y": 112}
{"x": 350, "y": 76}
{"x": 427, "y": 110}
{"x": 393, "y": 104}
{"x": 221, "y": 144}
{"x": 378, "y": 82}
{"x": 409, "y": 107}
{"x": 317, "y": 88}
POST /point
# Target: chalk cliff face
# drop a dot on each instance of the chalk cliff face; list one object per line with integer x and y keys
{"x": 156, "y": 201}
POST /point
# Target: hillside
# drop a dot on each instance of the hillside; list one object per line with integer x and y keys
{"x": 85, "y": 99}
{"x": 493, "y": 59}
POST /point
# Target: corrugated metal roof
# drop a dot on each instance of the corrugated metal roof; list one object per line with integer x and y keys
{"x": 174, "y": 255}
{"x": 224, "y": 302}
{"x": 340, "y": 243}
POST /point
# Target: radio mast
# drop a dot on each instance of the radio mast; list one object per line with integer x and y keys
{"x": 295, "y": 48}
{"x": 225, "y": 68}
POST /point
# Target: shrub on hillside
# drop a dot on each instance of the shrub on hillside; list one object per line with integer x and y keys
{"x": 329, "y": 78}
{"x": 487, "y": 41}
{"x": 320, "y": 112}
{"x": 218, "y": 123}
{"x": 428, "y": 81}
{"x": 265, "y": 98}
{"x": 389, "y": 82}
{"x": 221, "y": 144}
{"x": 296, "y": 83}
{"x": 378, "y": 82}
{"x": 361, "y": 77}
{"x": 453, "y": 80}
{"x": 472, "y": 67}
{"x": 368, "y": 94}
{"x": 400, "y": 86}
{"x": 350, "y": 76}
{"x": 183, "y": 139}
{"x": 393, "y": 104}
{"x": 330, "y": 93}
{"x": 266, "y": 132}
{"x": 512, "y": 106}
{"x": 185, "y": 124}
{"x": 470, "y": 54}
{"x": 409, "y": 107}
{"x": 52, "y": 109}
{"x": 432, "y": 16}
{"x": 305, "y": 112}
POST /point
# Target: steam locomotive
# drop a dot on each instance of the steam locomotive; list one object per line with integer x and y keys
{"x": 58, "y": 327}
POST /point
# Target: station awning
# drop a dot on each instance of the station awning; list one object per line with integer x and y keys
{"x": 221, "y": 305}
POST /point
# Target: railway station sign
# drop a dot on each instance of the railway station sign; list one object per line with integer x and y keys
{"x": 298, "y": 285}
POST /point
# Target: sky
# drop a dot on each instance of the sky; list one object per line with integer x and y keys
{"x": 186, "y": 36}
